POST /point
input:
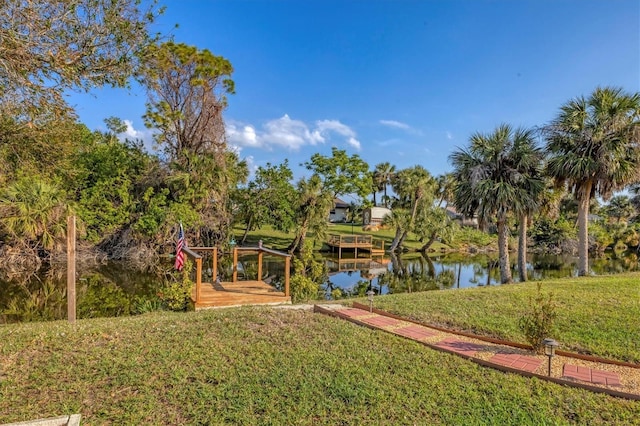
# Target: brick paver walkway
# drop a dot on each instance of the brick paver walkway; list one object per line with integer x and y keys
{"x": 380, "y": 321}
{"x": 502, "y": 355}
{"x": 460, "y": 346}
{"x": 354, "y": 313}
{"x": 590, "y": 375}
{"x": 521, "y": 362}
{"x": 416, "y": 332}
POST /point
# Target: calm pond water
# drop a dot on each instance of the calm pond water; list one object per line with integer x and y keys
{"x": 115, "y": 290}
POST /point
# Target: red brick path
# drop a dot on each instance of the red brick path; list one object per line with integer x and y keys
{"x": 415, "y": 332}
{"x": 521, "y": 362}
{"x": 460, "y": 346}
{"x": 590, "y": 375}
{"x": 513, "y": 360}
{"x": 380, "y": 321}
{"x": 353, "y": 313}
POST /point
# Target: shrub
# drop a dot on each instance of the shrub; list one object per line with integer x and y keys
{"x": 143, "y": 305}
{"x": 538, "y": 322}
{"x": 551, "y": 234}
{"x": 308, "y": 275}
{"x": 473, "y": 237}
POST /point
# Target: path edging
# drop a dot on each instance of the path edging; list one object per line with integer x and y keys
{"x": 503, "y": 368}
{"x": 499, "y": 341}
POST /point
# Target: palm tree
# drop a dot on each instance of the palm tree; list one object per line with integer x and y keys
{"x": 594, "y": 147}
{"x": 34, "y": 212}
{"x": 311, "y": 211}
{"x": 382, "y": 177}
{"x": 446, "y": 184}
{"x": 415, "y": 188}
{"x": 620, "y": 208}
{"x": 493, "y": 179}
{"x": 528, "y": 165}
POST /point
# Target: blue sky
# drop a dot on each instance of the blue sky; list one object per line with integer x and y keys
{"x": 399, "y": 81}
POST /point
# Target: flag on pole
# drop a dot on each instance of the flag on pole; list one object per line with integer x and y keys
{"x": 179, "y": 253}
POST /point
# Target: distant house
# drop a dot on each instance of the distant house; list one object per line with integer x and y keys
{"x": 373, "y": 216}
{"x": 460, "y": 218}
{"x": 339, "y": 211}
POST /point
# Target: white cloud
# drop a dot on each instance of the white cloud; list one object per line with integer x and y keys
{"x": 146, "y": 136}
{"x": 289, "y": 133}
{"x": 242, "y": 135}
{"x": 334, "y": 126}
{"x": 396, "y": 124}
{"x": 327, "y": 126}
{"x": 354, "y": 143}
{"x": 449, "y": 135}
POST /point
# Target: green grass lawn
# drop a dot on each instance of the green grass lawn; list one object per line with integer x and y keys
{"x": 260, "y": 366}
{"x": 596, "y": 315}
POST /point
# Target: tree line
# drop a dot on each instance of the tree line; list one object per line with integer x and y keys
{"x": 129, "y": 201}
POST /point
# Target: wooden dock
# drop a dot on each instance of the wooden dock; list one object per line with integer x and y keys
{"x": 356, "y": 242}
{"x": 236, "y": 293}
{"x": 229, "y": 294}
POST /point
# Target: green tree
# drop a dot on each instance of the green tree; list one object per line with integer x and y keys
{"x": 312, "y": 206}
{"x": 268, "y": 199}
{"x": 204, "y": 187}
{"x": 445, "y": 192}
{"x": 108, "y": 176}
{"x": 51, "y": 46}
{"x": 46, "y": 152}
{"x": 187, "y": 92}
{"x": 529, "y": 177}
{"x": 308, "y": 275}
{"x": 415, "y": 190}
{"x": 382, "y": 177}
{"x": 593, "y": 147}
{"x": 619, "y": 208}
{"x": 342, "y": 174}
{"x": 33, "y": 214}
{"x": 431, "y": 224}
{"x": 492, "y": 182}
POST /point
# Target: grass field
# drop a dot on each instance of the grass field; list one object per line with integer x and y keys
{"x": 596, "y": 315}
{"x": 260, "y": 366}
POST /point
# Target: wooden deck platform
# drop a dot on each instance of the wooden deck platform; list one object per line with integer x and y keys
{"x": 237, "y": 293}
{"x": 356, "y": 242}
{"x": 228, "y": 294}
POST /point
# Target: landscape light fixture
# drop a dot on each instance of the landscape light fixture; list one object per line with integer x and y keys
{"x": 370, "y": 295}
{"x": 550, "y": 346}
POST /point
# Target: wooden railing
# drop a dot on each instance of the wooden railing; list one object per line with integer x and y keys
{"x": 191, "y": 252}
{"x": 356, "y": 241}
{"x": 350, "y": 240}
{"x": 378, "y": 245}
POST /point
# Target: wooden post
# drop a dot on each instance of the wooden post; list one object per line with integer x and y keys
{"x": 198, "y": 278}
{"x": 287, "y": 263}
{"x": 71, "y": 268}
{"x": 214, "y": 270}
{"x": 260, "y": 264}
{"x": 235, "y": 264}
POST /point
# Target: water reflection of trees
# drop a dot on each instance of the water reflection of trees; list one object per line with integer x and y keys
{"x": 415, "y": 273}
{"x": 108, "y": 291}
